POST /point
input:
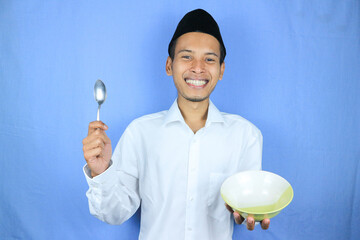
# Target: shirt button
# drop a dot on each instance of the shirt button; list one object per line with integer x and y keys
{"x": 189, "y": 229}
{"x": 191, "y": 198}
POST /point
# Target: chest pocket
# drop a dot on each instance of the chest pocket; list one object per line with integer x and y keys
{"x": 216, "y": 205}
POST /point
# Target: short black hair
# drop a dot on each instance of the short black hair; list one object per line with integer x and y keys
{"x": 172, "y": 52}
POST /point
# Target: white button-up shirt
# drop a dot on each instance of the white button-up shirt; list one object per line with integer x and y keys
{"x": 175, "y": 174}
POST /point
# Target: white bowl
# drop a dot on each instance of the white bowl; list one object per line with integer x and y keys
{"x": 259, "y": 194}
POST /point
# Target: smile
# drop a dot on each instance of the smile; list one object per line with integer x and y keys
{"x": 196, "y": 82}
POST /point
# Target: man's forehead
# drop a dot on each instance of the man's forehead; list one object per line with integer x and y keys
{"x": 195, "y": 41}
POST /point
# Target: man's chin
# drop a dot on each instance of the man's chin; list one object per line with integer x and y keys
{"x": 196, "y": 99}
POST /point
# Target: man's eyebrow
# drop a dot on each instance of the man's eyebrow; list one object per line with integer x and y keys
{"x": 184, "y": 50}
{"x": 212, "y": 53}
{"x": 190, "y": 51}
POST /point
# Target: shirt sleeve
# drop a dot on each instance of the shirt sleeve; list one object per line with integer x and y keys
{"x": 114, "y": 195}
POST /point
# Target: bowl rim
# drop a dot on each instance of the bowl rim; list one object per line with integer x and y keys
{"x": 257, "y": 213}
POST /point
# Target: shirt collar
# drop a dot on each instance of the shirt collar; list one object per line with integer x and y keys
{"x": 214, "y": 115}
{"x": 174, "y": 114}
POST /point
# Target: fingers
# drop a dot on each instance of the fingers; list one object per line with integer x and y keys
{"x": 95, "y": 125}
{"x": 229, "y": 208}
{"x": 238, "y": 218}
{"x": 92, "y": 154}
{"x": 95, "y": 142}
{"x": 265, "y": 223}
{"x": 96, "y": 139}
{"x": 250, "y": 223}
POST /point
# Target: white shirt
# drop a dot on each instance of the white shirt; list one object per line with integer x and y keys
{"x": 175, "y": 174}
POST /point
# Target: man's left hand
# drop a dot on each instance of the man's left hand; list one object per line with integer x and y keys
{"x": 250, "y": 221}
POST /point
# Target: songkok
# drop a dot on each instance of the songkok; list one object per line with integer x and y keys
{"x": 197, "y": 21}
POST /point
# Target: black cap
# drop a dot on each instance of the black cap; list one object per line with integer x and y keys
{"x": 197, "y": 21}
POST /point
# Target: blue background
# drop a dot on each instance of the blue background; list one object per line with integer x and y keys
{"x": 293, "y": 69}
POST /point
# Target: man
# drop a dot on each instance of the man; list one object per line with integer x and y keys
{"x": 174, "y": 162}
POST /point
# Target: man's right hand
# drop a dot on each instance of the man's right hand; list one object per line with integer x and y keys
{"x": 97, "y": 148}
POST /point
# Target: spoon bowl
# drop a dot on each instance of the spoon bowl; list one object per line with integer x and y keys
{"x": 100, "y": 95}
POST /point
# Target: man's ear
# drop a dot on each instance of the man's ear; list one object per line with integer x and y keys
{"x": 168, "y": 66}
{"x": 222, "y": 69}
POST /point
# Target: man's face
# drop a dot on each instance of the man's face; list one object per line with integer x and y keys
{"x": 196, "y": 66}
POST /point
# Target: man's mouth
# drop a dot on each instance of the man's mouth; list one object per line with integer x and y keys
{"x": 196, "y": 82}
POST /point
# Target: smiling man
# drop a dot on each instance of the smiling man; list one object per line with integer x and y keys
{"x": 174, "y": 162}
{"x": 195, "y": 66}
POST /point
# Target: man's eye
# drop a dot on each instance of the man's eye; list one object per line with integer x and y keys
{"x": 210, "y": 60}
{"x": 185, "y": 57}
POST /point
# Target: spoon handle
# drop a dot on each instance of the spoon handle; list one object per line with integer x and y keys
{"x": 98, "y": 113}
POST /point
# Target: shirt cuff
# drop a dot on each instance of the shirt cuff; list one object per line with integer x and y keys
{"x": 103, "y": 178}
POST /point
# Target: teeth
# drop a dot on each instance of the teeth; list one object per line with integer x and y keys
{"x": 196, "y": 82}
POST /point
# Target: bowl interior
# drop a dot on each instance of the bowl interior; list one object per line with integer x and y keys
{"x": 257, "y": 192}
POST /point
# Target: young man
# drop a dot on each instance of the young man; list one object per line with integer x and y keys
{"x": 174, "y": 162}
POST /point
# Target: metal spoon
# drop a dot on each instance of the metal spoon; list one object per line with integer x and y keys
{"x": 100, "y": 95}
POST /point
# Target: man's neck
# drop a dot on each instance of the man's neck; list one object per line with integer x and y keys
{"x": 194, "y": 113}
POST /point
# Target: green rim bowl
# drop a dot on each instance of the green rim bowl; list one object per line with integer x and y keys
{"x": 259, "y": 194}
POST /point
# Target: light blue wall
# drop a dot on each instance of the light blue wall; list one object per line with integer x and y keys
{"x": 293, "y": 69}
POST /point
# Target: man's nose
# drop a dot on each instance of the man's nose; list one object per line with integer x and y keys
{"x": 197, "y": 66}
